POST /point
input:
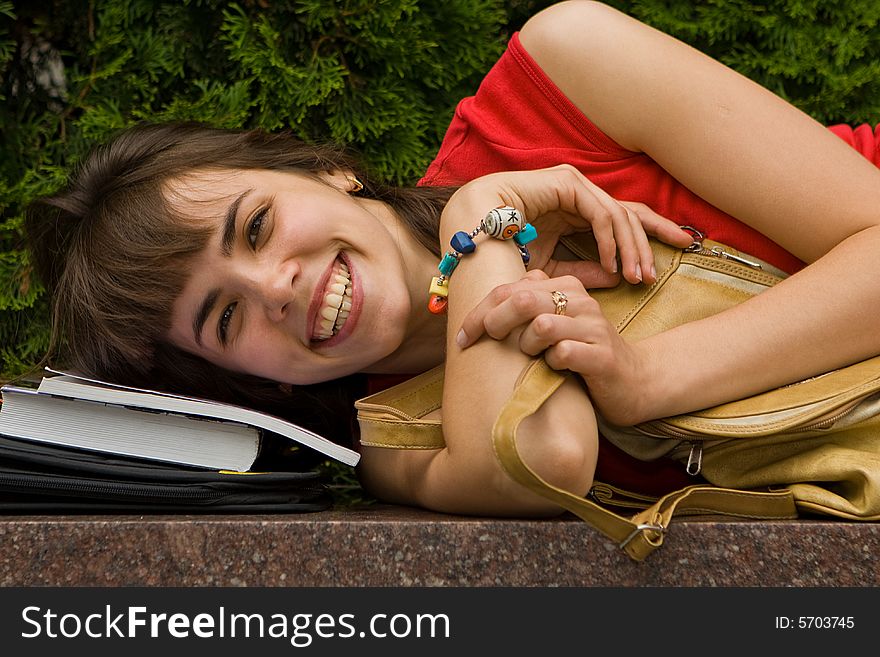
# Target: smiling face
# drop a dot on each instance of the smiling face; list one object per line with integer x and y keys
{"x": 300, "y": 282}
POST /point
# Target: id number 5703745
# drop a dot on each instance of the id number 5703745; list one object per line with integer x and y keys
{"x": 815, "y": 622}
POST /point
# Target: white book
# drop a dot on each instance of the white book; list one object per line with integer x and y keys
{"x": 75, "y": 411}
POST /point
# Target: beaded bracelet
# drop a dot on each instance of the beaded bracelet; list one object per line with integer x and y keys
{"x": 502, "y": 223}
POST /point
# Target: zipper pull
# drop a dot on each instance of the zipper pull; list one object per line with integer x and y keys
{"x": 695, "y": 459}
{"x": 697, "y": 247}
{"x": 717, "y": 250}
{"x": 697, "y": 237}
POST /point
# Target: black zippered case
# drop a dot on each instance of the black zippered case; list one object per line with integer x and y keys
{"x": 42, "y": 478}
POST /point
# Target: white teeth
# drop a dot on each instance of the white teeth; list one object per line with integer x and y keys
{"x": 337, "y": 303}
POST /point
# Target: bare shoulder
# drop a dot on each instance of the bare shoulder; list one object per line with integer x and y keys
{"x": 729, "y": 140}
{"x": 568, "y": 15}
{"x": 599, "y": 57}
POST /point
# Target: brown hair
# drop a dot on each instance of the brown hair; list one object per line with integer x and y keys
{"x": 112, "y": 253}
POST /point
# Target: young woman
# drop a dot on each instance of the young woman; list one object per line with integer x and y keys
{"x": 217, "y": 262}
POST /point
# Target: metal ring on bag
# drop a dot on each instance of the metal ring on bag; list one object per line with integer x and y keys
{"x": 642, "y": 527}
{"x": 696, "y": 235}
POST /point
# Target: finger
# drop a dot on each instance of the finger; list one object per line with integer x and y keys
{"x": 595, "y": 206}
{"x": 645, "y": 269}
{"x": 521, "y": 308}
{"x": 571, "y": 355}
{"x": 590, "y": 204}
{"x": 659, "y": 226}
{"x": 628, "y": 245}
{"x": 518, "y": 307}
{"x": 536, "y": 275}
{"x": 589, "y": 273}
{"x": 544, "y": 332}
{"x": 549, "y": 329}
{"x": 614, "y": 234}
{"x": 609, "y": 221}
{"x": 615, "y": 242}
{"x": 472, "y": 326}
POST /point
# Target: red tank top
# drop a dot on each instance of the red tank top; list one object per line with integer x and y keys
{"x": 519, "y": 119}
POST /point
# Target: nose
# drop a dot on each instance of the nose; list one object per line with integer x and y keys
{"x": 274, "y": 287}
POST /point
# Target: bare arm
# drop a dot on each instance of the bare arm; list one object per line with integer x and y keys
{"x": 559, "y": 441}
{"x": 759, "y": 159}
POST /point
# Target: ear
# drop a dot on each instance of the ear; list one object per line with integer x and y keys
{"x": 343, "y": 180}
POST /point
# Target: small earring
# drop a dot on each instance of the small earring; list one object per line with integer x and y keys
{"x": 356, "y": 185}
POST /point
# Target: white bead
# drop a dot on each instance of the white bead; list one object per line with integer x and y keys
{"x": 503, "y": 223}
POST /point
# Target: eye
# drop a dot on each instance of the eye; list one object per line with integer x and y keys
{"x": 223, "y": 324}
{"x": 255, "y": 227}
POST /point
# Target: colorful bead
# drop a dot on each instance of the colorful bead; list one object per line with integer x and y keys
{"x": 503, "y": 223}
{"x": 438, "y": 286}
{"x": 462, "y": 242}
{"x": 437, "y": 304}
{"x": 448, "y": 264}
{"x": 526, "y": 235}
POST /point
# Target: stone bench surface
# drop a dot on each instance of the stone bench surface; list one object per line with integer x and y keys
{"x": 397, "y": 546}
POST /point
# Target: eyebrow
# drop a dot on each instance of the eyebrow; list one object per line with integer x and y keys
{"x": 228, "y": 235}
{"x": 202, "y": 315}
{"x": 227, "y": 239}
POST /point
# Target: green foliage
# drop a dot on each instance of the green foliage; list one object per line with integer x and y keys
{"x": 823, "y": 57}
{"x": 345, "y": 489}
{"x": 382, "y": 76}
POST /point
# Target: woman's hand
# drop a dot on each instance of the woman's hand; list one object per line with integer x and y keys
{"x": 560, "y": 201}
{"x": 580, "y": 339}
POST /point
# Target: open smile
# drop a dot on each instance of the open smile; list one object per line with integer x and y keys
{"x": 335, "y": 305}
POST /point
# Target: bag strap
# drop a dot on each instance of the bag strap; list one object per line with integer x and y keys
{"x": 395, "y": 417}
{"x": 643, "y": 533}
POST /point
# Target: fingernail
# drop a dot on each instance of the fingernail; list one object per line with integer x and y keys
{"x": 639, "y": 272}
{"x": 614, "y": 266}
{"x": 653, "y": 272}
{"x": 461, "y": 338}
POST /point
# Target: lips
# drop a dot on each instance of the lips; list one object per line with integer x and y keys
{"x": 335, "y": 303}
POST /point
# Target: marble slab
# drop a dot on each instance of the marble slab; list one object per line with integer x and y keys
{"x": 398, "y": 546}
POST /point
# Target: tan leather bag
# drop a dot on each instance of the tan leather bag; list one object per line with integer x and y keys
{"x": 808, "y": 448}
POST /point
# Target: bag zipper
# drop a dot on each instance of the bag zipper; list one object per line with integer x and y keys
{"x": 828, "y": 421}
{"x": 695, "y": 455}
{"x": 697, "y": 248}
{"x": 132, "y": 491}
{"x": 694, "y": 463}
{"x": 695, "y": 459}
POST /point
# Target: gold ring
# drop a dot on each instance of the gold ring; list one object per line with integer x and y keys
{"x": 560, "y": 300}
